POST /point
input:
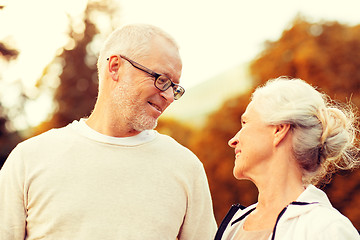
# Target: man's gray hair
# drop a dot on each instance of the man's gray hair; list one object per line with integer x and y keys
{"x": 132, "y": 41}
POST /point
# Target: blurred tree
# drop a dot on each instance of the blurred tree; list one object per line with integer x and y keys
{"x": 210, "y": 145}
{"x": 76, "y": 89}
{"x": 177, "y": 130}
{"x": 8, "y": 137}
{"x": 8, "y": 53}
{"x": 76, "y": 93}
{"x": 326, "y": 55}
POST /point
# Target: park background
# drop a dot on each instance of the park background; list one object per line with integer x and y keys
{"x": 52, "y": 90}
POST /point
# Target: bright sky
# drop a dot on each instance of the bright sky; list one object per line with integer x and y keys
{"x": 213, "y": 35}
{"x": 217, "y": 35}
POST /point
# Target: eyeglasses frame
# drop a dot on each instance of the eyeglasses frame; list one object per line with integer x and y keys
{"x": 155, "y": 75}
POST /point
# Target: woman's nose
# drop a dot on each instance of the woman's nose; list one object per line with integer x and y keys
{"x": 233, "y": 142}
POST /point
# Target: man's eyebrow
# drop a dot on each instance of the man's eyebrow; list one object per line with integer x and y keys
{"x": 169, "y": 76}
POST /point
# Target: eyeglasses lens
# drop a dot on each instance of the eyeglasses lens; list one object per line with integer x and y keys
{"x": 163, "y": 83}
{"x": 178, "y": 92}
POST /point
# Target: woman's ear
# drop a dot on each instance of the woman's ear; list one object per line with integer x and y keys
{"x": 280, "y": 133}
{"x": 113, "y": 67}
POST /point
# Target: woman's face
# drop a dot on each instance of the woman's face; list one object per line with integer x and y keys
{"x": 253, "y": 144}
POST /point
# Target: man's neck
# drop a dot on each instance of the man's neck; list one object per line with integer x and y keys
{"x": 109, "y": 126}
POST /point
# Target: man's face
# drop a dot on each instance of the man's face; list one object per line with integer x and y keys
{"x": 139, "y": 102}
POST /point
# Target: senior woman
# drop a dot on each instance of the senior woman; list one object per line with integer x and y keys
{"x": 292, "y": 137}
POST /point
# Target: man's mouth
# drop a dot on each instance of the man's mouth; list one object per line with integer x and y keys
{"x": 155, "y": 106}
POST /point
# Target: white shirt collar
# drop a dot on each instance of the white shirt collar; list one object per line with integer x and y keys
{"x": 141, "y": 138}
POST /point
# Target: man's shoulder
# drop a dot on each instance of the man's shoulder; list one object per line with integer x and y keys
{"x": 47, "y": 137}
{"x": 169, "y": 141}
{"x": 178, "y": 152}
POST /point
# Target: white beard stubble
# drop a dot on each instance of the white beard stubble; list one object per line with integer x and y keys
{"x": 130, "y": 109}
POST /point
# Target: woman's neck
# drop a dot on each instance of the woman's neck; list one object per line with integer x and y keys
{"x": 276, "y": 191}
{"x": 278, "y": 185}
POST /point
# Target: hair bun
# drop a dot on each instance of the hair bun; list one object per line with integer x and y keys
{"x": 333, "y": 121}
{"x": 337, "y": 138}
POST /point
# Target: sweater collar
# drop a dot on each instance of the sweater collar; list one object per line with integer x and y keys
{"x": 143, "y": 137}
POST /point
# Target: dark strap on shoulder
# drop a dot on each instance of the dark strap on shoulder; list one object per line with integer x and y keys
{"x": 234, "y": 208}
{"x": 243, "y": 216}
{"x": 277, "y": 221}
{"x": 282, "y": 213}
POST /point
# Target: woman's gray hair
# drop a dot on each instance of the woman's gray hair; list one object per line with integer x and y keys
{"x": 132, "y": 40}
{"x": 324, "y": 133}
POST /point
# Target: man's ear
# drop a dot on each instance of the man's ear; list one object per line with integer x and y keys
{"x": 113, "y": 67}
{"x": 280, "y": 132}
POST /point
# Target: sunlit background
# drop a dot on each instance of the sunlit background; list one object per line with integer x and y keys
{"x": 49, "y": 49}
{"x": 214, "y": 36}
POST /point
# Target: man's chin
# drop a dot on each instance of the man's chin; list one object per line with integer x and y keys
{"x": 150, "y": 124}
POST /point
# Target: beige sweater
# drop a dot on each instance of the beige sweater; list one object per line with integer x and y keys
{"x": 74, "y": 183}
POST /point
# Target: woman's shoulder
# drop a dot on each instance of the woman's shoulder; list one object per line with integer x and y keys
{"x": 228, "y": 225}
{"x": 321, "y": 218}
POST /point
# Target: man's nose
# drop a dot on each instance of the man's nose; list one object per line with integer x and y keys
{"x": 168, "y": 95}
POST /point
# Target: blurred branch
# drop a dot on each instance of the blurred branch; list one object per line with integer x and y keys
{"x": 6, "y": 52}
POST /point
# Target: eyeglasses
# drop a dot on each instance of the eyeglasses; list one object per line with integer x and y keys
{"x": 161, "y": 81}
